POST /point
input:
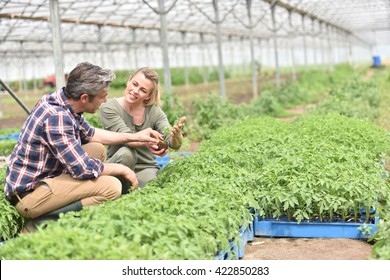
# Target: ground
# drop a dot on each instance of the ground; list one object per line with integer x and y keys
{"x": 307, "y": 249}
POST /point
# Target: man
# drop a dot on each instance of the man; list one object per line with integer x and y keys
{"x": 58, "y": 163}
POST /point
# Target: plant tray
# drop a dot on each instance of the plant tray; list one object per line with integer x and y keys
{"x": 164, "y": 160}
{"x": 237, "y": 250}
{"x": 274, "y": 228}
{"x": 13, "y": 136}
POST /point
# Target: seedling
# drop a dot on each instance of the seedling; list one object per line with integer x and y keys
{"x": 163, "y": 144}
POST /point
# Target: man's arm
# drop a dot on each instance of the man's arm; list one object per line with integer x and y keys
{"x": 111, "y": 138}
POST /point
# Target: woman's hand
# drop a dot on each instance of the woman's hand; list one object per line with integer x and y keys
{"x": 176, "y": 135}
{"x": 176, "y": 130}
{"x": 156, "y": 150}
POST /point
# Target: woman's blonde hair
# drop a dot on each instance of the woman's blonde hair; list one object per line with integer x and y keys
{"x": 151, "y": 75}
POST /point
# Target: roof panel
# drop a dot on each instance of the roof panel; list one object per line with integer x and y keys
{"x": 137, "y": 22}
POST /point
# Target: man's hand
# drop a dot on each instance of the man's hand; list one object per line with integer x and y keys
{"x": 129, "y": 175}
{"x": 148, "y": 135}
{"x": 114, "y": 169}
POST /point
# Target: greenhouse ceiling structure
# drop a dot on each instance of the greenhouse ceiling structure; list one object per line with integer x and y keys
{"x": 42, "y": 37}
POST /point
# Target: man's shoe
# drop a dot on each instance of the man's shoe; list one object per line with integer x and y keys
{"x": 29, "y": 227}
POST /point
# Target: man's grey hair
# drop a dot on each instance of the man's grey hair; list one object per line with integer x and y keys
{"x": 87, "y": 78}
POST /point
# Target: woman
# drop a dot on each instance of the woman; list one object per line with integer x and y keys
{"x": 137, "y": 110}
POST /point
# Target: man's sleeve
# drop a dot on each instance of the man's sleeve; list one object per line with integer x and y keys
{"x": 65, "y": 145}
{"x": 86, "y": 131}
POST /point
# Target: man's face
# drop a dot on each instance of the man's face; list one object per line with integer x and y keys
{"x": 93, "y": 103}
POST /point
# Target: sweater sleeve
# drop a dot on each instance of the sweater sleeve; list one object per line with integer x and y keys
{"x": 112, "y": 119}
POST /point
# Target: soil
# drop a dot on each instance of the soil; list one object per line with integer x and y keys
{"x": 13, "y": 122}
{"x": 307, "y": 249}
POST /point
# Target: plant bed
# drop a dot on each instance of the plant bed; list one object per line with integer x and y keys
{"x": 278, "y": 228}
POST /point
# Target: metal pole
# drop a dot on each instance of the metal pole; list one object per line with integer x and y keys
{"x": 330, "y": 50}
{"x": 219, "y": 46}
{"x": 252, "y": 49}
{"x": 322, "y": 45}
{"x": 101, "y": 46}
{"x": 57, "y": 43}
{"x": 135, "y": 53}
{"x": 7, "y": 88}
{"x": 23, "y": 81}
{"x": 304, "y": 42}
{"x": 185, "y": 61}
{"x": 164, "y": 46}
{"x": 350, "y": 49}
{"x": 277, "y": 76}
{"x": 204, "y": 68}
{"x": 293, "y": 71}
{"x": 314, "y": 43}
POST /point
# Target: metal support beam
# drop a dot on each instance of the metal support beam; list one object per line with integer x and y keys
{"x": 291, "y": 42}
{"x": 252, "y": 50}
{"x": 164, "y": 47}
{"x": 57, "y": 43}
{"x": 277, "y": 75}
{"x": 221, "y": 72}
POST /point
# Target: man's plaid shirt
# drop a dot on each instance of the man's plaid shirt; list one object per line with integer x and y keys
{"x": 50, "y": 144}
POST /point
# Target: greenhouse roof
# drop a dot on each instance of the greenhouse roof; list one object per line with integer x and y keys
{"x": 25, "y": 26}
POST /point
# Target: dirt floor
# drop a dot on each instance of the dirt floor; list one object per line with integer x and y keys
{"x": 307, "y": 249}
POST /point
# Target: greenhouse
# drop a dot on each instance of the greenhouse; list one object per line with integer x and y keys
{"x": 286, "y": 138}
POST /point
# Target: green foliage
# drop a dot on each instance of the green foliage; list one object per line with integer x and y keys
{"x": 93, "y": 119}
{"x": 194, "y": 74}
{"x": 120, "y": 81}
{"x": 381, "y": 248}
{"x": 6, "y": 147}
{"x": 10, "y": 220}
{"x": 318, "y": 168}
{"x": 212, "y": 112}
{"x": 356, "y": 98}
{"x": 322, "y": 166}
{"x": 174, "y": 111}
{"x": 8, "y": 131}
{"x": 268, "y": 104}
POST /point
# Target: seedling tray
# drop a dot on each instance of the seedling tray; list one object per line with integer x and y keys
{"x": 237, "y": 251}
{"x": 164, "y": 160}
{"x": 275, "y": 228}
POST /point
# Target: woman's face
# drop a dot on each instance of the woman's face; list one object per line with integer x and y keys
{"x": 138, "y": 89}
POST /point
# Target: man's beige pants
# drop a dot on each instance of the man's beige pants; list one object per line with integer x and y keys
{"x": 57, "y": 192}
